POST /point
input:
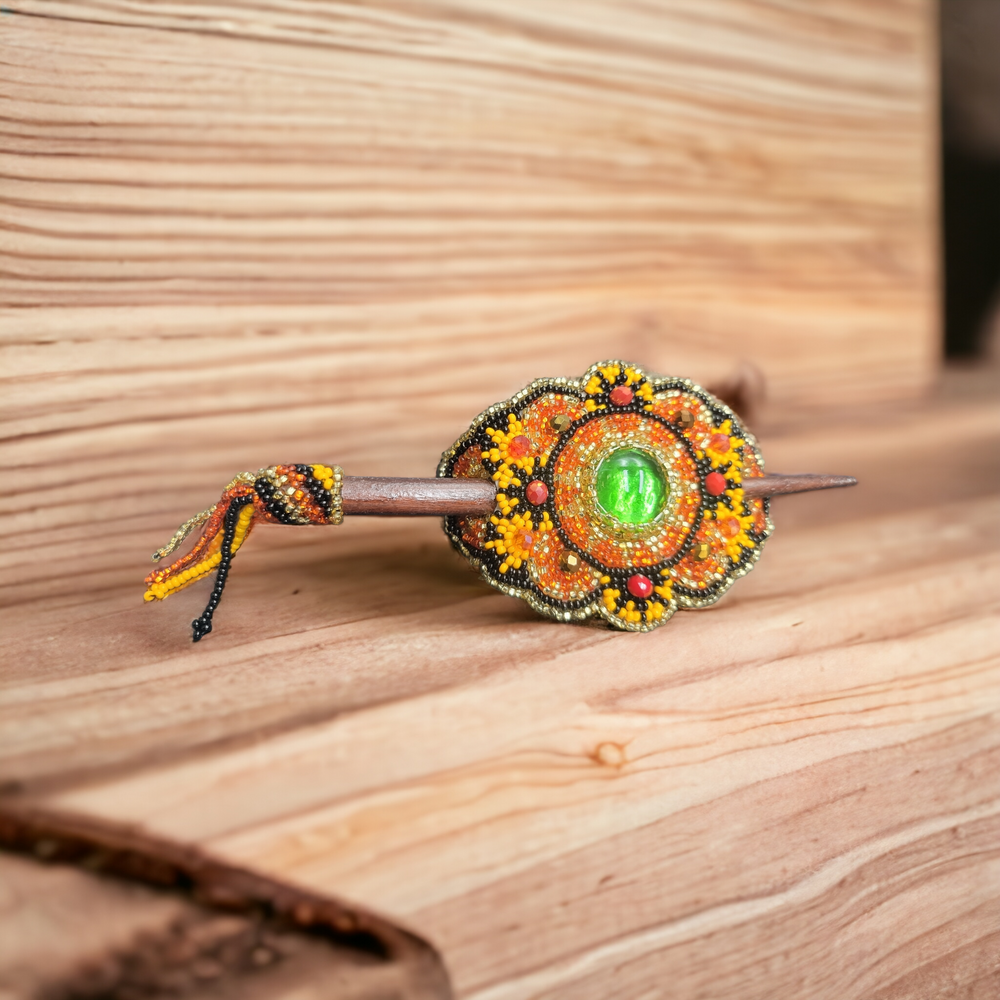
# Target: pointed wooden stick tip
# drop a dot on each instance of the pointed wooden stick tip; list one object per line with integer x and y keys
{"x": 778, "y": 484}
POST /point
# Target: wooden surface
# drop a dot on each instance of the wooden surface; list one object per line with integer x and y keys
{"x": 241, "y": 202}
{"x": 288, "y": 232}
{"x": 795, "y": 793}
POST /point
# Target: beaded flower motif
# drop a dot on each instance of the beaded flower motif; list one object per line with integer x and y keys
{"x": 619, "y": 494}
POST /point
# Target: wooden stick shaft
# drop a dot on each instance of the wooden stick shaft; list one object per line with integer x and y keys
{"x": 386, "y": 497}
{"x": 417, "y": 497}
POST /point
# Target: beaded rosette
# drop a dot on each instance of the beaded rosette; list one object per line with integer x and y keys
{"x": 619, "y": 494}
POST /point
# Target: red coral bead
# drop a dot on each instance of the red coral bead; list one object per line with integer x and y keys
{"x": 536, "y": 492}
{"x": 519, "y": 446}
{"x": 639, "y": 586}
{"x": 621, "y": 395}
{"x": 715, "y": 483}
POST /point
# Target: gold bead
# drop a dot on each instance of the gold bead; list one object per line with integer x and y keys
{"x": 685, "y": 419}
{"x": 569, "y": 562}
{"x": 700, "y": 551}
{"x": 560, "y": 422}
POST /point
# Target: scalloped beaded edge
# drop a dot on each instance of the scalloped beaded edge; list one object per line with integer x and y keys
{"x": 606, "y": 601}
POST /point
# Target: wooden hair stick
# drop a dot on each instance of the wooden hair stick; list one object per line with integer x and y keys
{"x": 384, "y": 496}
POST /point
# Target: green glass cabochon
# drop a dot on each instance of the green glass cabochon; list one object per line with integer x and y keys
{"x": 631, "y": 486}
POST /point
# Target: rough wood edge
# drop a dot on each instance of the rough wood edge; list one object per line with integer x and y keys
{"x": 110, "y": 849}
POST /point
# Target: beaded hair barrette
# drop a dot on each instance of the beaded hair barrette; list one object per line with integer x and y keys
{"x": 618, "y": 495}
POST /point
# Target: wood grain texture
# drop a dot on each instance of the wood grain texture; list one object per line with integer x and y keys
{"x": 792, "y": 794}
{"x": 235, "y": 235}
{"x": 690, "y": 183}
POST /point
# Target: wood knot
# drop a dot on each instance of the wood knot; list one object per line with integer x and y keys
{"x": 610, "y": 754}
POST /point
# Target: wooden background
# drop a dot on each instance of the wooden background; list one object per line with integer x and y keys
{"x": 238, "y": 234}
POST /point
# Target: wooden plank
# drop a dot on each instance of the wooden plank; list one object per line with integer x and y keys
{"x": 687, "y": 183}
{"x": 793, "y": 793}
{"x": 233, "y": 236}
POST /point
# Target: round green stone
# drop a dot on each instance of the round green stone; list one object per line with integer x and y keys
{"x": 631, "y": 486}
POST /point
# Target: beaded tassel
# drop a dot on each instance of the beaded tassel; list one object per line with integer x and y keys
{"x": 281, "y": 494}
